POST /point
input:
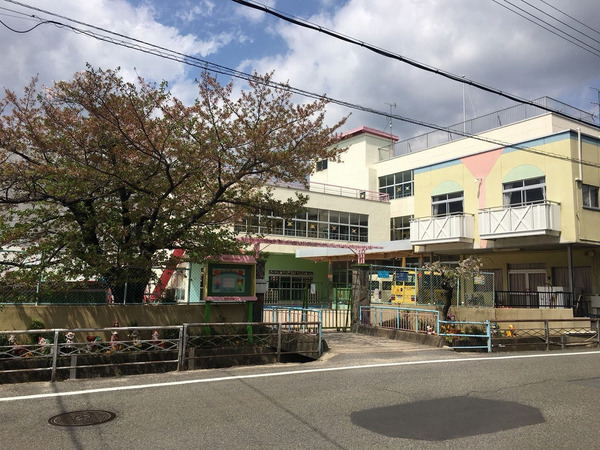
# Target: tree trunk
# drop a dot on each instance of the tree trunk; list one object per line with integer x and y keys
{"x": 128, "y": 285}
{"x": 448, "y": 294}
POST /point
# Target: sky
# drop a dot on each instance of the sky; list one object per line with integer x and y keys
{"x": 494, "y": 43}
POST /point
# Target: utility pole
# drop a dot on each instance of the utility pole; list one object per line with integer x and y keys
{"x": 391, "y": 105}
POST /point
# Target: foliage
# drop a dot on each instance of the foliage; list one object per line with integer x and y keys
{"x": 466, "y": 268}
{"x": 103, "y": 179}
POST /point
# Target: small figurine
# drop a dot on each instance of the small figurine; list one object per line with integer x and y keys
{"x": 114, "y": 339}
{"x": 70, "y": 341}
{"x": 155, "y": 340}
{"x": 135, "y": 337}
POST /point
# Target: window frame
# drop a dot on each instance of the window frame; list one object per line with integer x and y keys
{"x": 589, "y": 195}
{"x": 397, "y": 185}
{"x": 448, "y": 200}
{"x": 523, "y": 188}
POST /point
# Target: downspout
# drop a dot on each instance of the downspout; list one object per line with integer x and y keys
{"x": 579, "y": 184}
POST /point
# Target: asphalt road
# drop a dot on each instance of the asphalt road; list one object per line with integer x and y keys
{"x": 371, "y": 394}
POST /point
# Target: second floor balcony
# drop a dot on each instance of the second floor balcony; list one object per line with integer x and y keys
{"x": 538, "y": 219}
{"x": 442, "y": 229}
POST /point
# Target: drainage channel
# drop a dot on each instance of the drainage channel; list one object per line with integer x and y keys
{"x": 82, "y": 418}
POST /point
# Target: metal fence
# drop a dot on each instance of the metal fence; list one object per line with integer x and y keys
{"x": 81, "y": 293}
{"x": 401, "y": 318}
{"x": 458, "y": 334}
{"x": 338, "y": 319}
{"x": 487, "y": 122}
{"x": 57, "y": 354}
{"x": 537, "y": 300}
{"x": 549, "y": 334}
{"x": 418, "y": 286}
{"x": 467, "y": 335}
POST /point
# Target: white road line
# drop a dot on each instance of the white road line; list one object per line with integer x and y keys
{"x": 291, "y": 372}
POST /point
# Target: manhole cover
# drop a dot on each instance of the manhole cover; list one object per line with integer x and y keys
{"x": 82, "y": 418}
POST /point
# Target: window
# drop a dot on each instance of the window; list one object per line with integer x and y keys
{"x": 590, "y": 196}
{"x": 525, "y": 192}
{"x": 447, "y": 204}
{"x": 397, "y": 185}
{"x": 400, "y": 228}
{"x": 321, "y": 165}
{"x": 314, "y": 223}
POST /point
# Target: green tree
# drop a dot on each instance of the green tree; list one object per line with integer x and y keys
{"x": 101, "y": 178}
{"x": 466, "y": 268}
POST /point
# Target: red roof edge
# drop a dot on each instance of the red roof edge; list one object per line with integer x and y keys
{"x": 373, "y": 131}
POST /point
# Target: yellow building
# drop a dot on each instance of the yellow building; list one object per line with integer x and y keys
{"x": 522, "y": 196}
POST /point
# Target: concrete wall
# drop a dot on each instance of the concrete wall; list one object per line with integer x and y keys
{"x": 19, "y": 317}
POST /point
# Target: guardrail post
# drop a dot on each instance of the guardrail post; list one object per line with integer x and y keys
{"x": 182, "y": 346}
{"x": 54, "y": 356}
{"x": 547, "y": 334}
{"x": 416, "y": 321}
{"x": 279, "y": 342}
{"x": 488, "y": 331}
{"x": 320, "y": 325}
{"x": 598, "y": 331}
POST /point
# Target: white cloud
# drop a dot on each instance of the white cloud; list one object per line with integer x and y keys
{"x": 479, "y": 40}
{"x": 57, "y": 53}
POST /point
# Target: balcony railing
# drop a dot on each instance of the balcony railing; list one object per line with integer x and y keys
{"x": 442, "y": 229}
{"x": 528, "y": 220}
{"x": 342, "y": 191}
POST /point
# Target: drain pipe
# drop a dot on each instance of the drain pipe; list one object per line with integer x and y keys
{"x": 579, "y": 184}
{"x": 580, "y": 154}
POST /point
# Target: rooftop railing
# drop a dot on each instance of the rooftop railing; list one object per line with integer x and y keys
{"x": 341, "y": 191}
{"x": 484, "y": 123}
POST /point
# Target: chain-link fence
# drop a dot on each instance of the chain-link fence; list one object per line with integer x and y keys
{"x": 78, "y": 293}
{"x": 418, "y": 286}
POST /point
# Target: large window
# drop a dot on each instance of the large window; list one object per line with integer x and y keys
{"x": 400, "y": 228}
{"x": 525, "y": 192}
{"x": 590, "y": 196}
{"x": 446, "y": 204}
{"x": 397, "y": 185}
{"x": 314, "y": 223}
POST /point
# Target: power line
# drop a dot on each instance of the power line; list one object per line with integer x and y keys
{"x": 549, "y": 27}
{"x": 570, "y": 17}
{"x": 560, "y": 21}
{"x": 166, "y": 53}
{"x": 388, "y": 54}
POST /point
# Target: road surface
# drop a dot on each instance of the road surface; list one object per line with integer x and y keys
{"x": 388, "y": 396}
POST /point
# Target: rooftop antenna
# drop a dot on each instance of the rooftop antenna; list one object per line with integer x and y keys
{"x": 464, "y": 108}
{"x": 598, "y": 103}
{"x": 392, "y": 105}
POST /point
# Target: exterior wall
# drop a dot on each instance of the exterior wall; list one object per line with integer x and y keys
{"x": 353, "y": 168}
{"x": 493, "y": 166}
{"x": 290, "y": 262}
{"x": 19, "y": 317}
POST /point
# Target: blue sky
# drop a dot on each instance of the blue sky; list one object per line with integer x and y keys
{"x": 480, "y": 39}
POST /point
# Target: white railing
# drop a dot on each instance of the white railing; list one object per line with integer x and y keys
{"x": 442, "y": 229}
{"x": 528, "y": 220}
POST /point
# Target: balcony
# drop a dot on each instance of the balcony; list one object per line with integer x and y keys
{"x": 442, "y": 229}
{"x": 540, "y": 219}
